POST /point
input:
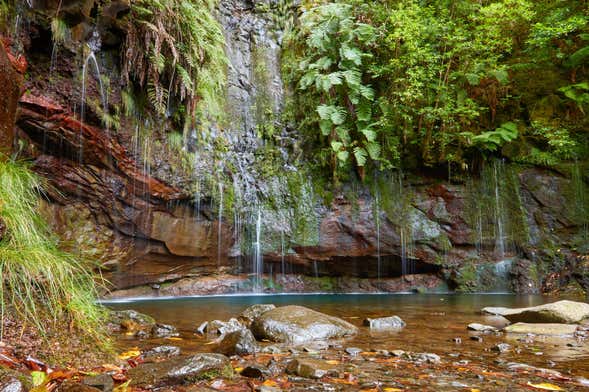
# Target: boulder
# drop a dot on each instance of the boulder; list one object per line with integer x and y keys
{"x": 70, "y": 386}
{"x": 392, "y": 322}
{"x": 542, "y": 329}
{"x": 253, "y": 312}
{"x": 11, "y": 82}
{"x": 297, "y": 324}
{"x": 223, "y": 327}
{"x": 240, "y": 342}
{"x": 309, "y": 368}
{"x": 179, "y": 371}
{"x": 567, "y": 312}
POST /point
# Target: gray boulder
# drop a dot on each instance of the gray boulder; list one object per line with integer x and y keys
{"x": 297, "y": 324}
{"x": 567, "y": 312}
{"x": 253, "y": 312}
{"x": 481, "y": 327}
{"x": 383, "y": 323}
{"x": 309, "y": 368}
{"x": 241, "y": 342}
{"x": 180, "y": 370}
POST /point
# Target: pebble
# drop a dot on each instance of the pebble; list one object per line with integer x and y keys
{"x": 476, "y": 338}
{"x": 457, "y": 340}
{"x": 353, "y": 351}
{"x": 501, "y": 347}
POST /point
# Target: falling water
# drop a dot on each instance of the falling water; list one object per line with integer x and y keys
{"x": 499, "y": 220}
{"x": 282, "y": 259}
{"x": 219, "y": 226}
{"x": 91, "y": 58}
{"x": 315, "y": 269}
{"x": 377, "y": 218}
{"x": 258, "y": 257}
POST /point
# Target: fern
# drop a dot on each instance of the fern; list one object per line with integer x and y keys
{"x": 175, "y": 48}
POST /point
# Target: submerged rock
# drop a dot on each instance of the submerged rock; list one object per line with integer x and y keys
{"x": 542, "y": 329}
{"x": 241, "y": 342}
{"x": 12, "y": 381}
{"x": 103, "y": 382}
{"x": 567, "y": 312}
{"x": 297, "y": 324}
{"x": 70, "y": 386}
{"x": 161, "y": 351}
{"x": 131, "y": 320}
{"x": 180, "y": 370}
{"x": 501, "y": 347}
{"x": 392, "y": 322}
{"x": 481, "y": 327}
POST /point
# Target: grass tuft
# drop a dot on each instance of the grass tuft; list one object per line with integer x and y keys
{"x": 40, "y": 284}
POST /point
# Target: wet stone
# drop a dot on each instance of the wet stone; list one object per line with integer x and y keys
{"x": 309, "y": 368}
{"x": 255, "y": 311}
{"x": 353, "y": 351}
{"x": 130, "y": 320}
{"x": 202, "y": 328}
{"x": 70, "y": 386}
{"x": 241, "y": 342}
{"x": 501, "y": 348}
{"x": 426, "y": 357}
{"x": 254, "y": 371}
{"x": 103, "y": 382}
{"x": 384, "y": 323}
{"x": 164, "y": 331}
{"x": 180, "y": 370}
{"x": 297, "y": 324}
{"x": 162, "y": 351}
{"x": 476, "y": 338}
{"x": 481, "y": 327}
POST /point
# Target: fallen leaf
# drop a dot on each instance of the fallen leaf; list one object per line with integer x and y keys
{"x": 173, "y": 338}
{"x": 391, "y": 389}
{"x": 129, "y": 354}
{"x": 122, "y": 388}
{"x": 545, "y": 386}
{"x": 475, "y": 390}
{"x": 270, "y": 383}
{"x": 332, "y": 362}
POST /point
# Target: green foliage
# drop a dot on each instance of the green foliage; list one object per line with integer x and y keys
{"x": 446, "y": 82}
{"x": 175, "y": 49}
{"x": 60, "y": 31}
{"x": 332, "y": 71}
{"x": 37, "y": 279}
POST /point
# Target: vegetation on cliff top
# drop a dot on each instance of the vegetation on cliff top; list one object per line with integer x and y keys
{"x": 440, "y": 82}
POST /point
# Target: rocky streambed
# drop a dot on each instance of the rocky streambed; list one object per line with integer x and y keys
{"x": 347, "y": 342}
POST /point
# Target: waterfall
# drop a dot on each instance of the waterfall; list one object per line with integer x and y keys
{"x": 258, "y": 256}
{"x": 377, "y": 218}
{"x": 219, "y": 225}
{"x": 498, "y": 211}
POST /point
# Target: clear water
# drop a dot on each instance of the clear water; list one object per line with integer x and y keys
{"x": 433, "y": 321}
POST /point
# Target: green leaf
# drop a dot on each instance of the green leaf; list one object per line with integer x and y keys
{"x": 38, "y": 378}
{"x": 373, "y": 149}
{"x": 501, "y": 75}
{"x": 352, "y": 54}
{"x": 353, "y": 77}
{"x": 338, "y": 116}
{"x": 325, "y": 111}
{"x": 325, "y": 126}
{"x": 336, "y": 146}
{"x": 370, "y": 134}
{"x": 364, "y": 113}
{"x": 360, "y": 154}
{"x": 580, "y": 57}
{"x": 367, "y": 92}
{"x": 473, "y": 79}
{"x": 343, "y": 155}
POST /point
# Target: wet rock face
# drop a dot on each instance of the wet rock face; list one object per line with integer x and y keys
{"x": 179, "y": 371}
{"x": 297, "y": 324}
{"x": 11, "y": 82}
{"x": 542, "y": 329}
